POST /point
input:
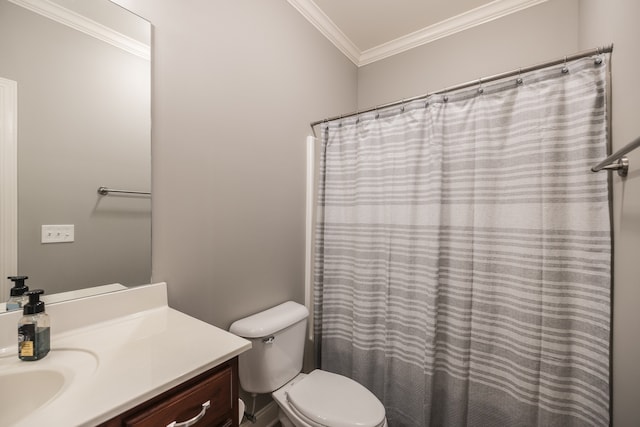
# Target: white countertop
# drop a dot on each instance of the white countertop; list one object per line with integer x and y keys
{"x": 132, "y": 357}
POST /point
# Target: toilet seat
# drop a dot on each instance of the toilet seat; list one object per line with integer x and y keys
{"x": 327, "y": 399}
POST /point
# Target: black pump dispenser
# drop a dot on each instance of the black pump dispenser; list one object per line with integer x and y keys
{"x": 17, "y": 298}
{"x": 34, "y": 305}
{"x": 19, "y": 287}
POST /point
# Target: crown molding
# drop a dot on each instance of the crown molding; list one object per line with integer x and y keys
{"x": 325, "y": 25}
{"x": 85, "y": 25}
{"x": 480, "y": 15}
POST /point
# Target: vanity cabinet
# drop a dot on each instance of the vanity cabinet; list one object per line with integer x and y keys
{"x": 211, "y": 398}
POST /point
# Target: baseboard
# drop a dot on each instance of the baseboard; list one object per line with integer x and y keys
{"x": 265, "y": 417}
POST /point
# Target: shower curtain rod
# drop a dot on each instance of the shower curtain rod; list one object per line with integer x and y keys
{"x": 578, "y": 55}
{"x": 621, "y": 161}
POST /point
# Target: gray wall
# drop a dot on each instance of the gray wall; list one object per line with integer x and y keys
{"x": 616, "y": 21}
{"x": 235, "y": 86}
{"x": 83, "y": 122}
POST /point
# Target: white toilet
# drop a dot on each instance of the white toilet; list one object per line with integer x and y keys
{"x": 274, "y": 363}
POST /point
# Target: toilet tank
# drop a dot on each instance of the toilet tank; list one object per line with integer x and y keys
{"x": 277, "y": 338}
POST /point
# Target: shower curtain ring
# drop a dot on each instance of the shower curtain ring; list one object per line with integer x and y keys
{"x": 565, "y": 70}
{"x": 480, "y": 88}
{"x": 598, "y": 59}
{"x": 519, "y": 79}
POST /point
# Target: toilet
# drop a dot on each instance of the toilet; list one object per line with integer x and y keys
{"x": 274, "y": 365}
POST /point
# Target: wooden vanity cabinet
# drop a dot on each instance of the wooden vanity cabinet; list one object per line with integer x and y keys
{"x": 218, "y": 387}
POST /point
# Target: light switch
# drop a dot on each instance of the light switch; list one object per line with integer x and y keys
{"x": 58, "y": 233}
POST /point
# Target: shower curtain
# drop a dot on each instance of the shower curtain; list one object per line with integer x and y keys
{"x": 463, "y": 253}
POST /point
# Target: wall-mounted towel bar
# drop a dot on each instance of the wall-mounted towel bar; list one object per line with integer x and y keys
{"x": 105, "y": 191}
{"x": 618, "y": 161}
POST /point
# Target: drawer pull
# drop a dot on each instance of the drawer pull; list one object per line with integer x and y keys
{"x": 206, "y": 405}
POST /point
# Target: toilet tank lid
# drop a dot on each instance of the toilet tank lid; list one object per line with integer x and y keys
{"x": 269, "y": 321}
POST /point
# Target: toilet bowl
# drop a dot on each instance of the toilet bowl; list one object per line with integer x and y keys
{"x": 322, "y": 399}
{"x": 240, "y": 410}
{"x": 274, "y": 364}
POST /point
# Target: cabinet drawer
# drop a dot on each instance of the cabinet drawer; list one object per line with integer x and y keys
{"x": 188, "y": 404}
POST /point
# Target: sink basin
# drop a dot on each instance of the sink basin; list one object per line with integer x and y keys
{"x": 28, "y": 386}
{"x": 24, "y": 392}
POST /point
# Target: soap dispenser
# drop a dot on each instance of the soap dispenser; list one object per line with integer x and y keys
{"x": 17, "y": 298}
{"x": 33, "y": 329}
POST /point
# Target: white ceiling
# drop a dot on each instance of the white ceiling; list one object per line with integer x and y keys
{"x": 369, "y": 23}
{"x": 370, "y": 30}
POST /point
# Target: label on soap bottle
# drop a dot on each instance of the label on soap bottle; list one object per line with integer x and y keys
{"x": 26, "y": 337}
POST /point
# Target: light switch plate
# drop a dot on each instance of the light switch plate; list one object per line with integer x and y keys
{"x": 58, "y": 233}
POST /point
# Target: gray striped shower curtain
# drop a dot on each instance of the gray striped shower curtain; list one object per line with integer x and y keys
{"x": 463, "y": 253}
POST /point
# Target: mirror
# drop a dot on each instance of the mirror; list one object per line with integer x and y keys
{"x": 82, "y": 72}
